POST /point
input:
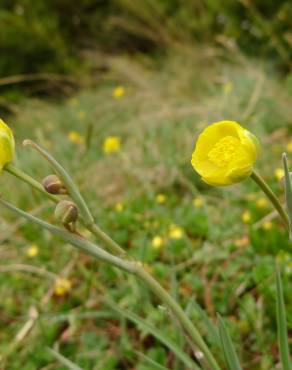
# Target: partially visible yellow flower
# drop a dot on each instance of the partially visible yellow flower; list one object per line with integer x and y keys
{"x": 119, "y": 207}
{"x": 289, "y": 146}
{"x": 175, "y": 232}
{"x": 228, "y": 87}
{"x": 111, "y": 144}
{"x": 118, "y": 92}
{"x": 262, "y": 203}
{"x": 157, "y": 242}
{"x": 81, "y": 115}
{"x": 198, "y": 202}
{"x": 73, "y": 101}
{"x": 267, "y": 225}
{"x": 75, "y": 137}
{"x": 279, "y": 173}
{"x": 62, "y": 286}
{"x": 225, "y": 153}
{"x": 7, "y": 144}
{"x": 246, "y": 217}
{"x": 160, "y": 198}
{"x": 32, "y": 251}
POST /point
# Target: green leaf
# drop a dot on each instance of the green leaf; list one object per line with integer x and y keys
{"x": 156, "y": 333}
{"x": 230, "y": 355}
{"x": 154, "y": 365}
{"x": 69, "y": 364}
{"x": 282, "y": 326}
{"x": 288, "y": 192}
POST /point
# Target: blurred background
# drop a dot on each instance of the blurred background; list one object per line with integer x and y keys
{"x": 117, "y": 91}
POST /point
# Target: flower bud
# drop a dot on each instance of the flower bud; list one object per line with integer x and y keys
{"x": 66, "y": 212}
{"x": 54, "y": 185}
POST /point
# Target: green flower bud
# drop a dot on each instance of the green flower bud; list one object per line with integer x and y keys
{"x": 66, "y": 212}
{"x": 54, "y": 185}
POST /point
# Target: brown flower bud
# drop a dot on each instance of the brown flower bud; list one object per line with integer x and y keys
{"x": 54, "y": 185}
{"x": 66, "y": 212}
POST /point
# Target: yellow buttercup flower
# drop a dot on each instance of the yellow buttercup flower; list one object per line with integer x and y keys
{"x": 279, "y": 173}
{"x": 289, "y": 146}
{"x": 198, "y": 202}
{"x": 175, "y": 232}
{"x": 225, "y": 153}
{"x": 262, "y": 202}
{"x": 111, "y": 144}
{"x": 62, "y": 287}
{"x": 228, "y": 87}
{"x": 157, "y": 242}
{"x": 118, "y": 92}
{"x": 119, "y": 207}
{"x": 32, "y": 251}
{"x": 267, "y": 225}
{"x": 75, "y": 137}
{"x": 160, "y": 198}
{"x": 246, "y": 217}
{"x": 7, "y": 144}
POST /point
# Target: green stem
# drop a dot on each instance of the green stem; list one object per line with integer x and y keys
{"x": 111, "y": 244}
{"x": 257, "y": 178}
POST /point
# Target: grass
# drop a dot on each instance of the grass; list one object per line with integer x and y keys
{"x": 223, "y": 263}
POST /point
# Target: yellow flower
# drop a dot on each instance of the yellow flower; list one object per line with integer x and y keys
{"x": 160, "y": 198}
{"x": 279, "y": 173}
{"x": 7, "y": 144}
{"x": 228, "y": 87}
{"x": 32, "y": 251}
{"x": 225, "y": 153}
{"x": 119, "y": 207}
{"x": 81, "y": 115}
{"x": 289, "y": 146}
{"x": 262, "y": 203}
{"x": 198, "y": 202}
{"x": 267, "y": 225}
{"x": 175, "y": 232}
{"x": 75, "y": 137}
{"x": 246, "y": 217}
{"x": 118, "y": 92}
{"x": 62, "y": 286}
{"x": 111, "y": 144}
{"x": 157, "y": 242}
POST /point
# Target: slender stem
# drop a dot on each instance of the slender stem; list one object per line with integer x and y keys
{"x": 29, "y": 180}
{"x": 257, "y": 178}
{"x": 111, "y": 244}
{"x": 180, "y": 314}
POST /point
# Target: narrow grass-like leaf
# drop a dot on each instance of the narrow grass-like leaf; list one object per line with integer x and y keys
{"x": 230, "y": 355}
{"x": 64, "y": 361}
{"x": 144, "y": 325}
{"x": 155, "y": 365}
{"x": 282, "y": 325}
{"x": 288, "y": 192}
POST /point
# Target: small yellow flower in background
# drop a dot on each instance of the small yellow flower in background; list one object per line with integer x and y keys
{"x": 7, "y": 144}
{"x": 228, "y": 87}
{"x": 251, "y": 196}
{"x": 289, "y": 146}
{"x": 119, "y": 207}
{"x": 62, "y": 287}
{"x": 246, "y": 217}
{"x": 198, "y": 202}
{"x": 267, "y": 225}
{"x": 157, "y": 242}
{"x": 75, "y": 137}
{"x": 175, "y": 232}
{"x": 73, "y": 101}
{"x": 118, "y": 92}
{"x": 160, "y": 198}
{"x": 225, "y": 153}
{"x": 111, "y": 144}
{"x": 81, "y": 115}
{"x": 279, "y": 173}
{"x": 262, "y": 202}
{"x": 32, "y": 251}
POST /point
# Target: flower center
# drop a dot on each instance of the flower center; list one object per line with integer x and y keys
{"x": 224, "y": 151}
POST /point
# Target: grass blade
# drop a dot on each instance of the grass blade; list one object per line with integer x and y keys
{"x": 64, "y": 361}
{"x": 230, "y": 355}
{"x": 288, "y": 192}
{"x": 155, "y": 365}
{"x": 144, "y": 325}
{"x": 282, "y": 325}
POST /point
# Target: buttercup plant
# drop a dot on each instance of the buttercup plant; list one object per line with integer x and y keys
{"x": 225, "y": 154}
